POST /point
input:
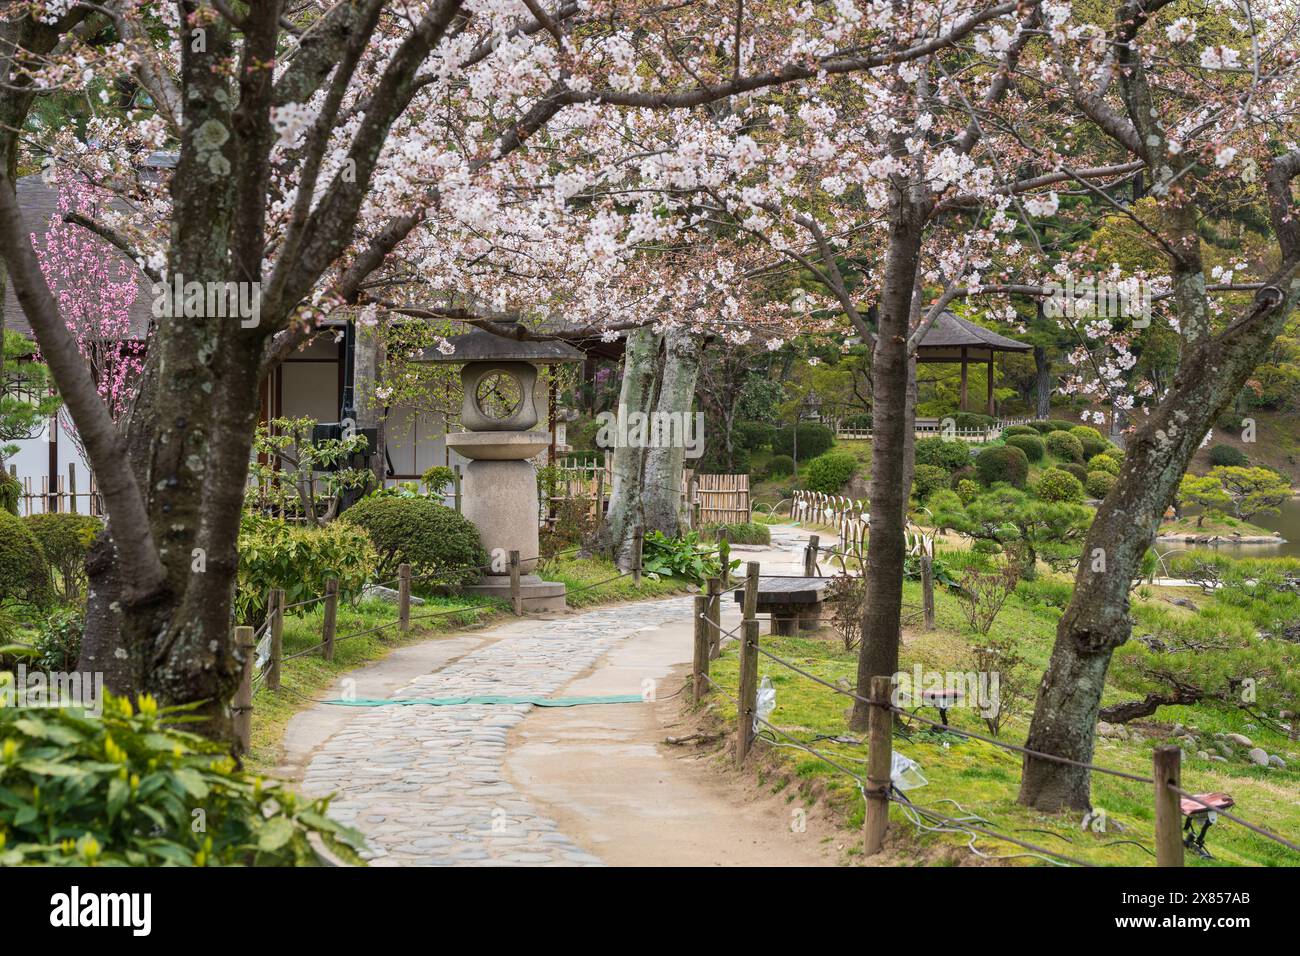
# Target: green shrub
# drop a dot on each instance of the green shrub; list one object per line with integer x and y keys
{"x": 1103, "y": 463}
{"x": 1002, "y": 463}
{"x": 10, "y": 491}
{"x": 1059, "y": 425}
{"x": 814, "y": 440}
{"x": 300, "y": 558}
{"x": 1031, "y": 445}
{"x": 441, "y": 546}
{"x": 66, "y": 539}
{"x": 438, "y": 479}
{"x": 928, "y": 479}
{"x": 1057, "y": 485}
{"x": 748, "y": 533}
{"x": 58, "y": 639}
{"x": 1011, "y": 430}
{"x": 960, "y": 475}
{"x": 830, "y": 472}
{"x": 780, "y": 466}
{"x": 124, "y": 789}
{"x": 967, "y": 491}
{"x": 753, "y": 436}
{"x": 1074, "y": 468}
{"x": 24, "y": 572}
{"x": 973, "y": 420}
{"x": 1100, "y": 483}
{"x": 1093, "y": 442}
{"x": 683, "y": 557}
{"x": 1043, "y": 427}
{"x": 1083, "y": 432}
{"x": 1065, "y": 446}
{"x": 943, "y": 453}
{"x": 1228, "y": 456}
{"x": 859, "y": 422}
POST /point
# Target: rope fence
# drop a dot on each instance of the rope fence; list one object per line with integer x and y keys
{"x": 878, "y": 788}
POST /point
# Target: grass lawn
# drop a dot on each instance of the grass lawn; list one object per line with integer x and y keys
{"x": 1224, "y": 525}
{"x": 984, "y": 779}
{"x": 305, "y": 678}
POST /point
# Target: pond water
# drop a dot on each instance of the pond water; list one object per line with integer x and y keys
{"x": 1288, "y": 522}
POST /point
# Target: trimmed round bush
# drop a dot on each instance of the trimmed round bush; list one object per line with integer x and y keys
{"x": 1059, "y": 425}
{"x": 1002, "y": 463}
{"x": 753, "y": 436}
{"x": 1065, "y": 446}
{"x": 66, "y": 539}
{"x": 1055, "y": 484}
{"x": 967, "y": 491}
{"x": 1093, "y": 442}
{"x": 927, "y": 480}
{"x": 780, "y": 466}
{"x": 1079, "y": 471}
{"x": 960, "y": 475}
{"x": 972, "y": 420}
{"x": 440, "y": 545}
{"x": 943, "y": 453}
{"x": 24, "y": 572}
{"x": 1229, "y": 456}
{"x": 1103, "y": 463}
{"x": 814, "y": 440}
{"x": 830, "y": 472}
{"x": 1031, "y": 445}
{"x": 1043, "y": 427}
{"x": 1019, "y": 430}
{"x": 1100, "y": 483}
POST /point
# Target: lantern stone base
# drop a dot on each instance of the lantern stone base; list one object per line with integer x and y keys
{"x": 538, "y": 596}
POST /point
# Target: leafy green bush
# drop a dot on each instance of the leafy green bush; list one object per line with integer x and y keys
{"x": 1043, "y": 427}
{"x": 130, "y": 788}
{"x": 780, "y": 466}
{"x": 24, "y": 572}
{"x": 961, "y": 474}
{"x": 928, "y": 479}
{"x": 830, "y": 472}
{"x": 749, "y": 533}
{"x": 438, "y": 479}
{"x": 65, "y": 538}
{"x": 1057, "y": 485}
{"x": 58, "y": 639}
{"x": 300, "y": 558}
{"x": 441, "y": 546}
{"x": 1011, "y": 430}
{"x": 10, "y": 491}
{"x": 683, "y": 557}
{"x": 1103, "y": 463}
{"x": 859, "y": 422}
{"x": 967, "y": 491}
{"x": 814, "y": 440}
{"x": 1228, "y": 456}
{"x": 1075, "y": 469}
{"x": 946, "y": 454}
{"x": 972, "y": 420}
{"x": 1065, "y": 446}
{"x": 1002, "y": 463}
{"x": 1093, "y": 442}
{"x": 753, "y": 436}
{"x": 1031, "y": 445}
{"x": 1100, "y": 483}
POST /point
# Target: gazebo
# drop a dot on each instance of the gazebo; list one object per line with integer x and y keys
{"x": 953, "y": 339}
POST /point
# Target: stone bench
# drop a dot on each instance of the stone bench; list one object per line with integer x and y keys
{"x": 794, "y": 603}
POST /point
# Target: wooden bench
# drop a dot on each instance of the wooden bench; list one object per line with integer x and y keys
{"x": 1197, "y": 812}
{"x": 794, "y": 603}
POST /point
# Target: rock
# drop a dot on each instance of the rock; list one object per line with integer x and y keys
{"x": 1220, "y": 737}
{"x": 1258, "y": 756}
{"x": 1217, "y": 759}
{"x": 1136, "y": 737}
{"x": 1203, "y": 754}
{"x": 1223, "y": 748}
{"x": 1187, "y": 739}
{"x": 1178, "y": 730}
{"x": 1112, "y": 731}
{"x": 1241, "y": 740}
{"x": 1275, "y": 761}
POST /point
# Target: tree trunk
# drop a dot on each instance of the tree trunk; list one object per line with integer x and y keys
{"x": 909, "y": 429}
{"x": 1042, "y": 383}
{"x": 664, "y": 462}
{"x": 878, "y": 655}
{"x": 1122, "y": 713}
{"x": 614, "y": 537}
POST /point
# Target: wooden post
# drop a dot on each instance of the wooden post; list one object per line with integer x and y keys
{"x": 927, "y": 590}
{"x": 810, "y": 556}
{"x": 276, "y": 610}
{"x": 700, "y": 665}
{"x": 715, "y": 618}
{"x": 403, "y": 597}
{"x": 516, "y": 596}
{"x": 72, "y": 487}
{"x": 880, "y": 727}
{"x": 748, "y": 694}
{"x": 638, "y": 542}
{"x": 241, "y": 708}
{"x": 693, "y": 505}
{"x": 600, "y": 492}
{"x": 1167, "y": 761}
{"x": 331, "y": 618}
{"x": 455, "y": 480}
{"x": 989, "y": 409}
{"x": 961, "y": 401}
{"x": 724, "y": 557}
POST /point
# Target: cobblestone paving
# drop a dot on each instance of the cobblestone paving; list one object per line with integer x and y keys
{"x": 425, "y": 784}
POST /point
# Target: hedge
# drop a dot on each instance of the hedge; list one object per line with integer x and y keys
{"x": 1055, "y": 484}
{"x": 928, "y": 479}
{"x": 1019, "y": 430}
{"x": 1229, "y": 456}
{"x": 1002, "y": 463}
{"x": 24, "y": 572}
{"x": 1031, "y": 445}
{"x": 1104, "y": 463}
{"x": 66, "y": 539}
{"x": 814, "y": 440}
{"x": 1065, "y": 446}
{"x": 1100, "y": 483}
{"x": 943, "y": 453}
{"x": 830, "y": 472}
{"x": 780, "y": 466}
{"x": 440, "y": 545}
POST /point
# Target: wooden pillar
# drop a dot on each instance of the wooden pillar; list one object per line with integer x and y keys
{"x": 703, "y": 640}
{"x": 880, "y": 728}
{"x": 1169, "y": 820}
{"x": 403, "y": 597}
{"x": 516, "y": 596}
{"x": 961, "y": 403}
{"x": 989, "y": 409}
{"x": 242, "y": 706}
{"x": 748, "y": 683}
{"x": 715, "y": 618}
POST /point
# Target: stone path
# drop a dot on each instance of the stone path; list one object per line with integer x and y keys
{"x": 425, "y": 784}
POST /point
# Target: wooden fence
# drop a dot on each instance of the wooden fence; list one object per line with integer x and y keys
{"x": 708, "y": 499}
{"x": 719, "y": 499}
{"x": 64, "y": 496}
{"x": 929, "y": 427}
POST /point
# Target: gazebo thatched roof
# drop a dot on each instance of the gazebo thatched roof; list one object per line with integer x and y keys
{"x": 950, "y": 334}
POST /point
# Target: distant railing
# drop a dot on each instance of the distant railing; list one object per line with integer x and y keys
{"x": 927, "y": 427}
{"x": 64, "y": 496}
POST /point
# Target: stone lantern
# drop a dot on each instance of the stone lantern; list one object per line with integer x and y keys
{"x": 499, "y": 489}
